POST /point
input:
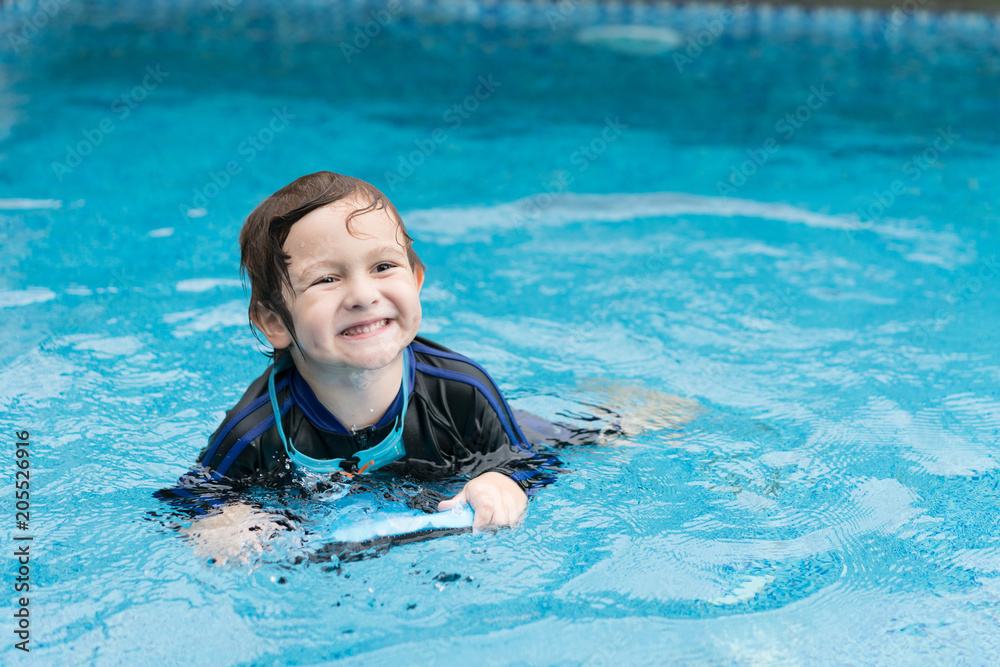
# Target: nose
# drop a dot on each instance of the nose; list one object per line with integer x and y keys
{"x": 362, "y": 293}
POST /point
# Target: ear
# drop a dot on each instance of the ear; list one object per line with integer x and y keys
{"x": 418, "y": 273}
{"x": 271, "y": 326}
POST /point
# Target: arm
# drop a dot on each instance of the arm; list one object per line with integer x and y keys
{"x": 214, "y": 516}
{"x": 224, "y": 527}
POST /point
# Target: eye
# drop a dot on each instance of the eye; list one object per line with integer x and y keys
{"x": 325, "y": 280}
{"x": 384, "y": 266}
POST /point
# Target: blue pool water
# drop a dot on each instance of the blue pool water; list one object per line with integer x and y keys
{"x": 775, "y": 257}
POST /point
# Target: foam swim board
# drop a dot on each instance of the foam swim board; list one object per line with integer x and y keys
{"x": 366, "y": 539}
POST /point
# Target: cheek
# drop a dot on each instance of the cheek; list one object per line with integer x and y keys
{"x": 407, "y": 300}
{"x": 314, "y": 316}
{"x": 415, "y": 309}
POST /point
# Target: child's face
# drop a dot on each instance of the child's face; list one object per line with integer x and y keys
{"x": 355, "y": 302}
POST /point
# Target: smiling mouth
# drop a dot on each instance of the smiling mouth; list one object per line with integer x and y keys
{"x": 366, "y": 328}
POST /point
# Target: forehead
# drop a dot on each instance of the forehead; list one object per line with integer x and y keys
{"x": 326, "y": 230}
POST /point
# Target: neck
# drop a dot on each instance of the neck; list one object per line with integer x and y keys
{"x": 357, "y": 398}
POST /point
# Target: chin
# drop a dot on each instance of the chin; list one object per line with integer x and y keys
{"x": 375, "y": 359}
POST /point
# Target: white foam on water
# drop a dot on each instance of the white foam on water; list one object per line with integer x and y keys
{"x": 37, "y": 378}
{"x": 206, "y": 284}
{"x": 746, "y": 591}
{"x": 828, "y": 294}
{"x": 636, "y": 40}
{"x": 230, "y": 314}
{"x": 116, "y": 345}
{"x": 478, "y": 223}
{"x": 28, "y": 204}
{"x": 14, "y": 298}
{"x": 453, "y": 224}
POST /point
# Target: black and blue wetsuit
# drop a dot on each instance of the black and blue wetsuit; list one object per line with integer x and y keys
{"x": 457, "y": 424}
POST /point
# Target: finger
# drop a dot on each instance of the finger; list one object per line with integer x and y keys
{"x": 484, "y": 516}
{"x": 455, "y": 501}
{"x": 514, "y": 509}
{"x": 505, "y": 515}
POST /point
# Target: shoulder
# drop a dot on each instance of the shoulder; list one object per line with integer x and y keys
{"x": 461, "y": 382}
{"x": 451, "y": 368}
{"x": 243, "y": 425}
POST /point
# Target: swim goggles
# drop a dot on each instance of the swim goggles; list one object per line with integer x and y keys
{"x": 384, "y": 453}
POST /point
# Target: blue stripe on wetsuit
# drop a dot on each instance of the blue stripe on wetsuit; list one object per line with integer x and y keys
{"x": 184, "y": 494}
{"x": 249, "y": 437}
{"x": 468, "y": 379}
{"x": 417, "y": 347}
{"x": 534, "y": 487}
{"x": 256, "y": 403}
{"x": 527, "y": 474}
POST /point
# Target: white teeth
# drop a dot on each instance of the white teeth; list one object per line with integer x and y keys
{"x": 365, "y": 329}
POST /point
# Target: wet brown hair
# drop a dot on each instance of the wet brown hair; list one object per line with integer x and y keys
{"x": 265, "y": 264}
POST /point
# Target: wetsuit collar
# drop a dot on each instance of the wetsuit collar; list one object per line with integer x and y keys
{"x": 319, "y": 416}
{"x": 388, "y": 450}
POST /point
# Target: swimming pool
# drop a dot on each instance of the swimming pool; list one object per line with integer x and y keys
{"x": 793, "y": 225}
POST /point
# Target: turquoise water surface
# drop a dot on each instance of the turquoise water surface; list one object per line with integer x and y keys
{"x": 774, "y": 258}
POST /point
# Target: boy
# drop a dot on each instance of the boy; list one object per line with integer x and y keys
{"x": 335, "y": 288}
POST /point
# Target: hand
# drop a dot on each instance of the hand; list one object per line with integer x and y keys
{"x": 237, "y": 534}
{"x": 497, "y": 500}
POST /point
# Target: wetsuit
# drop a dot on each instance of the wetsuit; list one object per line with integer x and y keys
{"x": 457, "y": 424}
